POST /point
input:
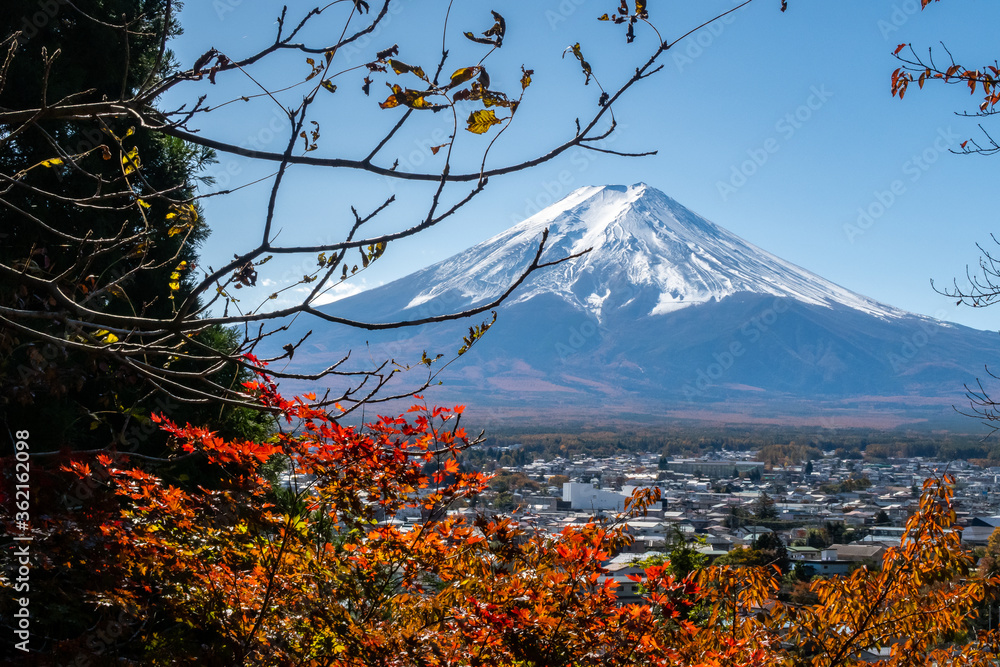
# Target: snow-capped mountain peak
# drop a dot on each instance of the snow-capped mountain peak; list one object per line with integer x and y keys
{"x": 668, "y": 316}
{"x": 645, "y": 247}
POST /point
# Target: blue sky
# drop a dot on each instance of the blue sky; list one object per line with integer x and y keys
{"x": 778, "y": 127}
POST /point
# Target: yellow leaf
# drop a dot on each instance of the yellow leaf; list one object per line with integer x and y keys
{"x": 462, "y": 75}
{"x": 411, "y": 98}
{"x": 419, "y": 102}
{"x": 481, "y": 121}
{"x": 52, "y": 162}
{"x": 106, "y": 336}
{"x": 142, "y": 203}
{"x": 390, "y": 102}
{"x": 131, "y": 161}
{"x": 402, "y": 68}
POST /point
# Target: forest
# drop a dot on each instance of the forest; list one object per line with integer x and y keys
{"x": 777, "y": 445}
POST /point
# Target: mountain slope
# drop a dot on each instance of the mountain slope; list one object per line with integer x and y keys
{"x": 667, "y": 313}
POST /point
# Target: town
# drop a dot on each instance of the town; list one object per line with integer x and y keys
{"x": 830, "y": 515}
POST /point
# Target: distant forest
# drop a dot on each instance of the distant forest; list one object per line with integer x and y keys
{"x": 776, "y": 446}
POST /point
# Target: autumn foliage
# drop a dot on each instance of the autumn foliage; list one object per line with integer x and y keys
{"x": 309, "y": 568}
{"x": 983, "y": 84}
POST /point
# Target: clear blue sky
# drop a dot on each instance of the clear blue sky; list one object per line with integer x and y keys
{"x": 808, "y": 90}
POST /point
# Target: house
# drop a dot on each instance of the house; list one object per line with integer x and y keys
{"x": 859, "y": 552}
{"x": 718, "y": 544}
{"x": 829, "y": 565}
{"x": 750, "y": 533}
{"x": 859, "y": 518}
{"x": 624, "y": 566}
{"x": 803, "y": 553}
{"x": 979, "y": 528}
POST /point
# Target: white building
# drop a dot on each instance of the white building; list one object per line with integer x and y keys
{"x": 588, "y": 498}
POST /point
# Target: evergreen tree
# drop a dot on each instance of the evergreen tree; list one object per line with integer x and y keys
{"x": 771, "y": 544}
{"x": 764, "y": 509}
{"x": 55, "y": 387}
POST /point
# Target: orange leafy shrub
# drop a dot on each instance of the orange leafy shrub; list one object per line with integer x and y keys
{"x": 249, "y": 572}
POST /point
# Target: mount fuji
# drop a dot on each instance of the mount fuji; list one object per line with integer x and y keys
{"x": 666, "y": 316}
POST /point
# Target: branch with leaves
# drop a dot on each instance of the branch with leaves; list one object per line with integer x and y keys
{"x": 131, "y": 293}
{"x": 296, "y": 555}
{"x": 983, "y": 81}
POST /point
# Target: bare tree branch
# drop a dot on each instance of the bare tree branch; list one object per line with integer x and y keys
{"x": 80, "y": 290}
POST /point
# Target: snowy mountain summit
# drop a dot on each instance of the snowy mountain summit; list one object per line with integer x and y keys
{"x": 644, "y": 246}
{"x": 667, "y": 316}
